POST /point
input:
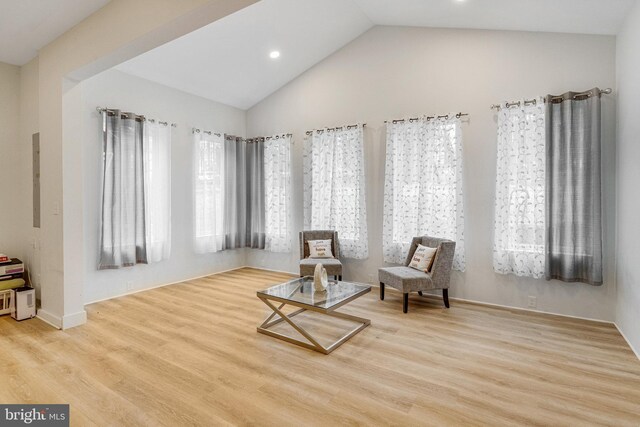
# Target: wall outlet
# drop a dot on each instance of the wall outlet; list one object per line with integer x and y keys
{"x": 533, "y": 302}
{"x": 371, "y": 279}
{"x": 129, "y": 286}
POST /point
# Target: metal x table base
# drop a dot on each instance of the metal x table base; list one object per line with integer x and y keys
{"x": 311, "y": 343}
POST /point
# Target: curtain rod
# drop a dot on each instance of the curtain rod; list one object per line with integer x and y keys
{"x": 109, "y": 110}
{"x": 309, "y": 132}
{"x": 413, "y": 119}
{"x": 208, "y": 132}
{"x": 263, "y": 138}
{"x": 534, "y": 101}
{"x": 266, "y": 138}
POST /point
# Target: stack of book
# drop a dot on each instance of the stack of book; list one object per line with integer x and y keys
{"x": 11, "y": 278}
{"x": 10, "y": 269}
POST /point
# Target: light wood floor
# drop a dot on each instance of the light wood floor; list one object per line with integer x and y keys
{"x": 189, "y": 354}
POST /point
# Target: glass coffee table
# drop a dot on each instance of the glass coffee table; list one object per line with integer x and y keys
{"x": 300, "y": 293}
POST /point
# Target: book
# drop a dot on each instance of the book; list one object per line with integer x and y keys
{"x": 4, "y": 259}
{"x": 14, "y": 266}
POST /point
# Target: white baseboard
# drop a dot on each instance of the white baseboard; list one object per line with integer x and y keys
{"x": 636, "y": 352}
{"x": 73, "y": 320}
{"x": 49, "y": 318}
{"x": 65, "y": 322}
{"x": 509, "y": 307}
{"x": 162, "y": 285}
{"x": 272, "y": 270}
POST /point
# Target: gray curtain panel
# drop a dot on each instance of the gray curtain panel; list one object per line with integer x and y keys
{"x": 234, "y": 222}
{"x": 255, "y": 226}
{"x": 244, "y": 213}
{"x": 573, "y": 247}
{"x": 122, "y": 229}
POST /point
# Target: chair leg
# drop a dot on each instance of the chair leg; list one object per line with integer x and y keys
{"x": 381, "y": 291}
{"x": 445, "y": 297}
{"x": 340, "y": 278}
{"x": 405, "y": 303}
{"x": 420, "y": 293}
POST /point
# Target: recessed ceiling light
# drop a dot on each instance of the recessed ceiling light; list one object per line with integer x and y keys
{"x": 274, "y": 54}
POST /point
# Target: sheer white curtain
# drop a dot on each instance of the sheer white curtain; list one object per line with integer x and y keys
{"x": 334, "y": 187}
{"x": 208, "y": 184}
{"x": 277, "y": 184}
{"x": 157, "y": 172}
{"x": 423, "y": 186}
{"x": 520, "y": 191}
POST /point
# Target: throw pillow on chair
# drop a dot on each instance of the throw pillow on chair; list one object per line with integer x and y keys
{"x": 423, "y": 258}
{"x": 320, "y": 249}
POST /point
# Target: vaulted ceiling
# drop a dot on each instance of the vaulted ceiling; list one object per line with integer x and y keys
{"x": 228, "y": 61}
{"x": 556, "y": 16}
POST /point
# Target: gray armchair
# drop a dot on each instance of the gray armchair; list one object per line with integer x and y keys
{"x": 308, "y": 265}
{"x": 407, "y": 279}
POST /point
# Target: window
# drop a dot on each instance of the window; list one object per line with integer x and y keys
{"x": 334, "y": 187}
{"x": 209, "y": 191}
{"x": 277, "y": 176}
{"x": 423, "y": 186}
{"x": 519, "y": 235}
{"x": 136, "y": 191}
{"x": 157, "y": 170}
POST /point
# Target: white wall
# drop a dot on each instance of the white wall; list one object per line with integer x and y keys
{"x": 115, "y": 89}
{"x": 10, "y": 184}
{"x": 394, "y": 72}
{"x": 628, "y": 170}
{"x": 28, "y": 125}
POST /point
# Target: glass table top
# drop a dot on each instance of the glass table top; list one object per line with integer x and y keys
{"x": 301, "y": 291}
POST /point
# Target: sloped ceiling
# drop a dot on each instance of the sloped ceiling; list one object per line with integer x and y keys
{"x": 555, "y": 16}
{"x": 228, "y": 61}
{"x": 28, "y": 25}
